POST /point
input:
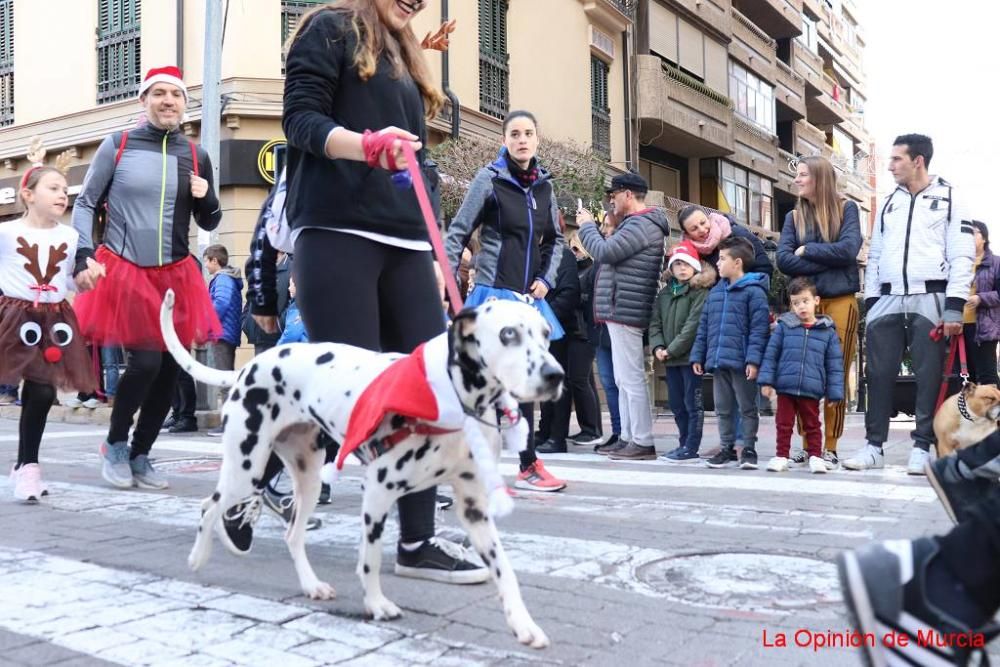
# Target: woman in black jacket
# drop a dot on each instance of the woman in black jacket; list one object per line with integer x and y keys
{"x": 363, "y": 267}
{"x": 821, "y": 239}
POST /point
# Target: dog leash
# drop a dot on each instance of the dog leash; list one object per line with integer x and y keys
{"x": 957, "y": 347}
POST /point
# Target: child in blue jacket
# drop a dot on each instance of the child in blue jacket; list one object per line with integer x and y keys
{"x": 803, "y": 364}
{"x": 294, "y": 330}
{"x": 730, "y": 345}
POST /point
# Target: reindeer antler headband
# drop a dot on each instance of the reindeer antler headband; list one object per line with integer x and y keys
{"x": 36, "y": 155}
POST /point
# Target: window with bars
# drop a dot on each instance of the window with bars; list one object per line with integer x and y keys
{"x": 119, "y": 70}
{"x": 6, "y": 62}
{"x": 494, "y": 70}
{"x": 291, "y": 12}
{"x": 600, "y": 112}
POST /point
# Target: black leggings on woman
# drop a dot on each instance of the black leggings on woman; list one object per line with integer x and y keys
{"x": 364, "y": 293}
{"x": 36, "y": 401}
{"x": 147, "y": 386}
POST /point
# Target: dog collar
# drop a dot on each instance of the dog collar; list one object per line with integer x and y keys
{"x": 513, "y": 417}
{"x": 963, "y": 408}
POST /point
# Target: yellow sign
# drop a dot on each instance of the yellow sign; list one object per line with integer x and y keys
{"x": 265, "y": 160}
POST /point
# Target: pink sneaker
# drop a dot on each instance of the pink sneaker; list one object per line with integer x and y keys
{"x": 28, "y": 485}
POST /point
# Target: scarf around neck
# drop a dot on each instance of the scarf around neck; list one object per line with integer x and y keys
{"x": 719, "y": 228}
{"x": 526, "y": 177}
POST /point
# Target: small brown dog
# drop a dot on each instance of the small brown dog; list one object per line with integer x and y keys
{"x": 966, "y": 418}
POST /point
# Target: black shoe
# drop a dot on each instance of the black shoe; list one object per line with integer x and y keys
{"x": 283, "y": 506}
{"x": 886, "y": 589}
{"x": 584, "y": 439}
{"x": 613, "y": 444}
{"x": 184, "y": 425}
{"x": 237, "y": 523}
{"x": 748, "y": 459}
{"x": 324, "y": 494}
{"x": 957, "y": 493}
{"x": 443, "y": 502}
{"x": 538, "y": 438}
{"x": 167, "y": 424}
{"x": 550, "y": 446}
{"x": 724, "y": 458}
{"x": 439, "y": 560}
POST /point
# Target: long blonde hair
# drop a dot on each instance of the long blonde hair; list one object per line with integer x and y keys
{"x": 825, "y": 212}
{"x": 373, "y": 38}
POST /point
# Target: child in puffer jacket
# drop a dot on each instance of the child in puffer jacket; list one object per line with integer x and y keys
{"x": 803, "y": 363}
{"x": 294, "y": 330}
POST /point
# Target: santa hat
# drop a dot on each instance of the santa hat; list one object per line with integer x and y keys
{"x": 170, "y": 74}
{"x": 685, "y": 252}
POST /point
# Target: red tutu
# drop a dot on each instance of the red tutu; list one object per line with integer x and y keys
{"x": 124, "y": 308}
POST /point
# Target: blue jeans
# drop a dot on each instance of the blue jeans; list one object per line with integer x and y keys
{"x": 111, "y": 361}
{"x": 606, "y": 369}
{"x": 684, "y": 393}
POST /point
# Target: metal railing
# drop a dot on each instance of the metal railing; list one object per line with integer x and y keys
{"x": 757, "y": 32}
{"x": 119, "y": 65}
{"x": 683, "y": 79}
{"x": 494, "y": 84}
{"x": 788, "y": 71}
{"x": 626, "y": 7}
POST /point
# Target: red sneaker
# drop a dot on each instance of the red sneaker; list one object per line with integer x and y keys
{"x": 537, "y": 478}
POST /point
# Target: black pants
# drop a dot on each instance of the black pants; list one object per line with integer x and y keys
{"x": 981, "y": 357}
{"x": 185, "y": 399}
{"x": 359, "y": 292}
{"x": 36, "y": 401}
{"x": 146, "y": 387}
{"x": 577, "y": 358}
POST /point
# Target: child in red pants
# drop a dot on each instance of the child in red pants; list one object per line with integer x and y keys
{"x": 803, "y": 363}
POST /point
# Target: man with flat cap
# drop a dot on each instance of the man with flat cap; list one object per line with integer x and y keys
{"x": 629, "y": 263}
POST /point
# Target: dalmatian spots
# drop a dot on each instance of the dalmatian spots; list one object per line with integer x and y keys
{"x": 422, "y": 451}
{"x": 284, "y": 353}
{"x": 468, "y": 476}
{"x": 404, "y": 459}
{"x": 297, "y": 395}
{"x": 276, "y": 374}
{"x": 324, "y": 358}
{"x": 250, "y": 379}
{"x": 253, "y": 403}
{"x": 376, "y": 531}
{"x": 382, "y": 472}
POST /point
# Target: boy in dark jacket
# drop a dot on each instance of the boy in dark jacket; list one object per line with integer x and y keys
{"x": 803, "y": 364}
{"x": 730, "y": 344}
{"x": 672, "y": 329}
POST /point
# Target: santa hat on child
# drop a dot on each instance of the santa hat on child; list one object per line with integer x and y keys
{"x": 170, "y": 74}
{"x": 685, "y": 252}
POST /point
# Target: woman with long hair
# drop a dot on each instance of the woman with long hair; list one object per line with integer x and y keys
{"x": 820, "y": 239}
{"x": 356, "y": 88}
{"x": 982, "y": 311}
{"x": 513, "y": 205}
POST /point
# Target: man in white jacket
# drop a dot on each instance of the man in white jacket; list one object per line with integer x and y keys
{"x": 919, "y": 270}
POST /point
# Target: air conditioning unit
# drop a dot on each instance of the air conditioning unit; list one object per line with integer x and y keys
{"x": 603, "y": 42}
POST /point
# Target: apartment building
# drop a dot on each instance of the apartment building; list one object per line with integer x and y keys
{"x": 729, "y": 93}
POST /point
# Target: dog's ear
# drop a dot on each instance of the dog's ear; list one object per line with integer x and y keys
{"x": 464, "y": 323}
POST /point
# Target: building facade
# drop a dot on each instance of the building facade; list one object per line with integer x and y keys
{"x": 730, "y": 93}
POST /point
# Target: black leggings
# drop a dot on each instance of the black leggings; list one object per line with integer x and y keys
{"x": 36, "y": 401}
{"x": 359, "y": 292}
{"x": 147, "y": 386}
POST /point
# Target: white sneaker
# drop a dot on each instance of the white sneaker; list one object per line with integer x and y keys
{"x": 817, "y": 466}
{"x": 73, "y": 402}
{"x": 866, "y": 458}
{"x": 28, "y": 485}
{"x": 91, "y": 403}
{"x": 918, "y": 459}
{"x": 777, "y": 464}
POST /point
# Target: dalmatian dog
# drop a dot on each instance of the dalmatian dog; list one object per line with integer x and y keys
{"x": 415, "y": 420}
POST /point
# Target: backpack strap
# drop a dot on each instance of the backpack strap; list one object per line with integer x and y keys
{"x": 121, "y": 147}
{"x": 194, "y": 156}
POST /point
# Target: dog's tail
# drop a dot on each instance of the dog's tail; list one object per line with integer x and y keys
{"x": 197, "y": 370}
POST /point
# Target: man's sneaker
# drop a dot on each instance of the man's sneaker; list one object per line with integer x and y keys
{"x": 818, "y": 466}
{"x": 438, "y": 559}
{"x": 613, "y": 444}
{"x": 832, "y": 461}
{"x": 958, "y": 494}
{"x": 537, "y": 478}
{"x": 550, "y": 446}
{"x": 115, "y": 468}
{"x": 214, "y": 432}
{"x": 724, "y": 458}
{"x": 27, "y": 481}
{"x": 586, "y": 439}
{"x": 866, "y": 458}
{"x": 184, "y": 425}
{"x": 681, "y": 455}
{"x": 918, "y": 459}
{"x": 237, "y": 525}
{"x": 634, "y": 452}
{"x": 748, "y": 459}
{"x": 283, "y": 506}
{"x": 799, "y": 456}
{"x": 885, "y": 588}
{"x": 171, "y": 420}
{"x": 145, "y": 476}
{"x": 92, "y": 403}
{"x": 777, "y": 464}
{"x": 443, "y": 502}
{"x": 73, "y": 402}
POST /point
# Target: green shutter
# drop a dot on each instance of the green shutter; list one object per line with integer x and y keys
{"x": 119, "y": 48}
{"x": 494, "y": 69}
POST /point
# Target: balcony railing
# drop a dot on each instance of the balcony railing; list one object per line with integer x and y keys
{"x": 788, "y": 71}
{"x": 762, "y": 36}
{"x": 680, "y": 77}
{"x": 626, "y": 7}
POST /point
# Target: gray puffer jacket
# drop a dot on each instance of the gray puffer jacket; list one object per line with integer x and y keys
{"x": 628, "y": 266}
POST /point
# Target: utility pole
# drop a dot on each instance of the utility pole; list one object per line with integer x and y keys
{"x": 211, "y": 100}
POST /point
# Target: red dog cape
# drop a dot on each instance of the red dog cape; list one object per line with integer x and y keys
{"x": 416, "y": 387}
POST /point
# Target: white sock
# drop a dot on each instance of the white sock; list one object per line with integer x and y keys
{"x": 412, "y": 546}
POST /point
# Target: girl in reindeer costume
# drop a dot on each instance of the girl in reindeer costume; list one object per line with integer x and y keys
{"x": 39, "y": 336}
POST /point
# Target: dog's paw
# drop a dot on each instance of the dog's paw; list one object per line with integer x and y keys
{"x": 500, "y": 503}
{"x": 527, "y": 631}
{"x": 382, "y": 609}
{"x": 319, "y": 590}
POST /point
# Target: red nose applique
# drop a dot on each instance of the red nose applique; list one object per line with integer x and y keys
{"x": 53, "y": 355}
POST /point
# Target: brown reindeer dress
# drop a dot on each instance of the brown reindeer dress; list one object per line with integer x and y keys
{"x": 39, "y": 336}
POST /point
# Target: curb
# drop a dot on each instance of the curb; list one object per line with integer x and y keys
{"x": 61, "y": 414}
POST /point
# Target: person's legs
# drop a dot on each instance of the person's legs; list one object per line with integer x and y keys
{"x": 808, "y": 410}
{"x": 695, "y": 408}
{"x": 986, "y": 362}
{"x": 559, "y": 411}
{"x": 141, "y": 371}
{"x": 580, "y": 361}
{"x": 746, "y": 397}
{"x": 155, "y": 407}
{"x": 528, "y": 456}
{"x": 885, "y": 336}
{"x": 224, "y": 358}
{"x": 843, "y": 310}
{"x": 111, "y": 359}
{"x": 36, "y": 401}
{"x": 676, "y": 395}
{"x": 630, "y": 373}
{"x": 606, "y": 370}
{"x": 971, "y": 357}
{"x": 724, "y": 397}
{"x": 784, "y": 419}
{"x": 928, "y": 360}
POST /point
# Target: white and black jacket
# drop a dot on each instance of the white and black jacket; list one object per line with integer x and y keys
{"x": 922, "y": 244}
